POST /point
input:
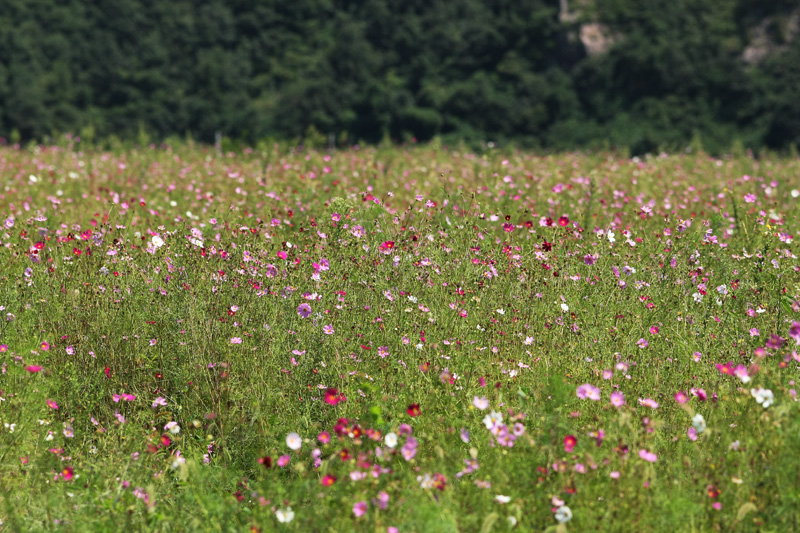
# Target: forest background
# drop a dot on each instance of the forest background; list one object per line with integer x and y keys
{"x": 642, "y": 75}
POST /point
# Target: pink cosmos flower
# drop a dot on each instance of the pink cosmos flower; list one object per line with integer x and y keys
{"x": 382, "y": 501}
{"x": 304, "y": 310}
{"x": 360, "y": 508}
{"x": 52, "y": 404}
{"x": 692, "y": 434}
{"x": 569, "y": 443}
{"x": 283, "y": 460}
{"x": 681, "y": 397}
{"x": 647, "y": 402}
{"x": 33, "y": 369}
{"x": 481, "y": 403}
{"x": 648, "y": 456}
{"x": 588, "y": 391}
{"x": 617, "y": 399}
{"x": 328, "y": 330}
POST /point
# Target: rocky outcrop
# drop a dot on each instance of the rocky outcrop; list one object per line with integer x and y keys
{"x": 771, "y": 36}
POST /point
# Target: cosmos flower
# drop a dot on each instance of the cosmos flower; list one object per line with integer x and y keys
{"x": 699, "y": 423}
{"x": 563, "y": 514}
{"x": 360, "y": 509}
{"x": 589, "y": 391}
{"x": 648, "y": 456}
{"x": 294, "y": 441}
{"x": 763, "y": 397}
{"x": 481, "y": 403}
{"x": 492, "y": 420}
{"x": 284, "y": 515}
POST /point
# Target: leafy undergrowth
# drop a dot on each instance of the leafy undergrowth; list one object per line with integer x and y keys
{"x": 397, "y": 340}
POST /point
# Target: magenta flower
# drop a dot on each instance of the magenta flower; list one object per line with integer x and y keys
{"x": 283, "y": 460}
{"x": 52, "y": 404}
{"x": 681, "y": 397}
{"x": 33, "y": 369}
{"x": 328, "y": 330}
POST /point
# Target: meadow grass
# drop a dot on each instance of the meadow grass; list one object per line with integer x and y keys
{"x": 406, "y": 339}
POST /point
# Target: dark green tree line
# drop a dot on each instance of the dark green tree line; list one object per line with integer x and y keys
{"x": 499, "y": 70}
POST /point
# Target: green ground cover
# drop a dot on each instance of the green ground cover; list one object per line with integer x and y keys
{"x": 397, "y": 340}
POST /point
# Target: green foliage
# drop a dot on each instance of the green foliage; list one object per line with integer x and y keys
{"x": 472, "y": 71}
{"x": 442, "y": 290}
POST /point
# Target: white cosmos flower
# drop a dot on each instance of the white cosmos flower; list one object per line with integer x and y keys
{"x": 563, "y": 514}
{"x": 285, "y": 516}
{"x": 699, "y": 423}
{"x": 492, "y": 419}
{"x": 390, "y": 439}
{"x": 157, "y": 242}
{"x": 294, "y": 441}
{"x": 502, "y": 499}
{"x": 564, "y": 307}
{"x": 763, "y": 396}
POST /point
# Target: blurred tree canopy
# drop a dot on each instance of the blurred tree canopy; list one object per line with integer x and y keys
{"x": 471, "y": 70}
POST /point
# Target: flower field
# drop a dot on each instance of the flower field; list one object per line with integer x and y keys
{"x": 397, "y": 340}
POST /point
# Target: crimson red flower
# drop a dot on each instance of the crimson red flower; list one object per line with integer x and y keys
{"x": 563, "y": 221}
{"x": 265, "y": 461}
{"x": 165, "y": 440}
{"x": 328, "y": 480}
{"x": 413, "y": 410}
{"x": 386, "y": 247}
{"x": 68, "y": 474}
{"x": 569, "y": 443}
